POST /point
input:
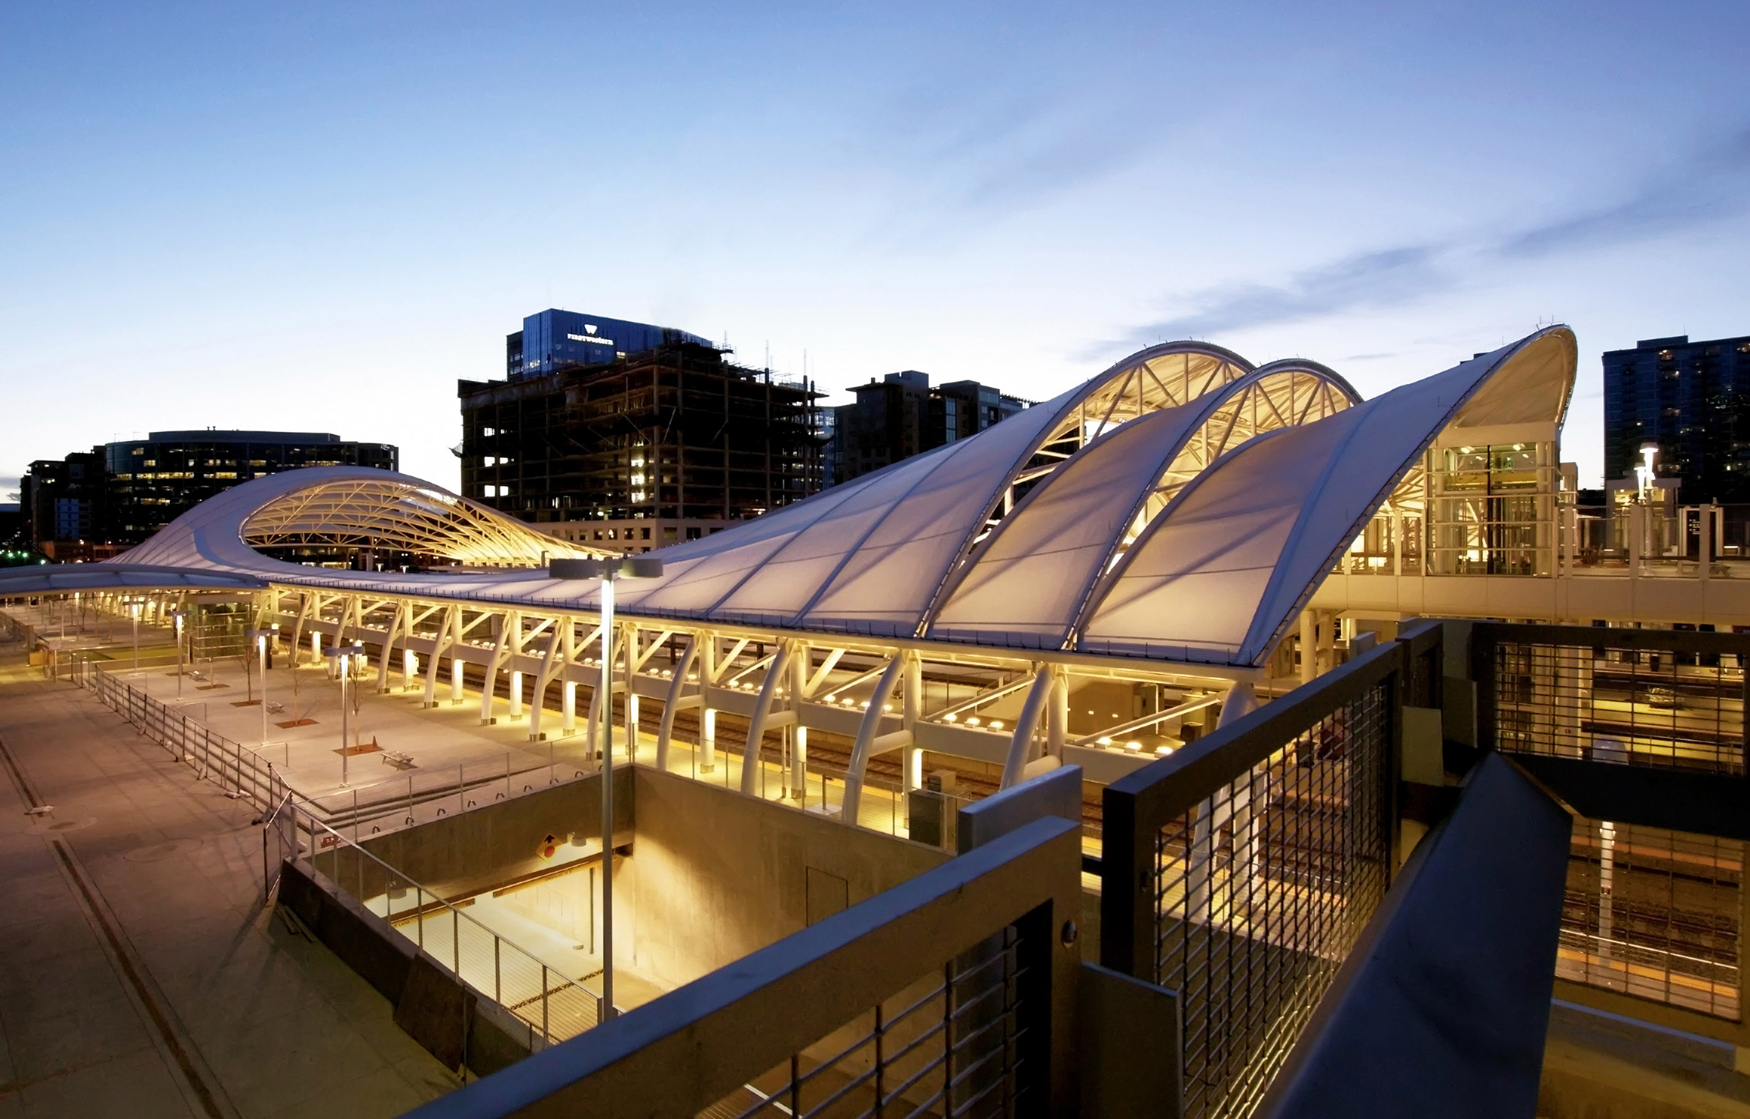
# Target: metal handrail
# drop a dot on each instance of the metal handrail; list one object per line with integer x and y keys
{"x": 420, "y": 894}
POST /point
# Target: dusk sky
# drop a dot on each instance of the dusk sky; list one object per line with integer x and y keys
{"x": 319, "y": 216}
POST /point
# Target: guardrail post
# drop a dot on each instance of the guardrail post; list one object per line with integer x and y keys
{"x": 1127, "y": 903}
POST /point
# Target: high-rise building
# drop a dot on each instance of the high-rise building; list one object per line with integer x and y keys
{"x": 117, "y": 495}
{"x": 554, "y": 339}
{"x": 901, "y": 415}
{"x": 655, "y": 447}
{"x": 1692, "y": 401}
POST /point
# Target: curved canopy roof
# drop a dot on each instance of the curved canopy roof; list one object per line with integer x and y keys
{"x": 1180, "y": 506}
{"x": 871, "y": 555}
{"x": 1220, "y": 574}
{"x": 344, "y": 505}
{"x": 1028, "y": 581}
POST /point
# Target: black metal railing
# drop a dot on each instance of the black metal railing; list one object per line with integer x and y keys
{"x": 954, "y": 1043}
{"x": 1670, "y": 699}
{"x": 1240, "y": 871}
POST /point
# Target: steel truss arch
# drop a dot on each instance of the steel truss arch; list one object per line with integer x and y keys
{"x": 1069, "y": 530}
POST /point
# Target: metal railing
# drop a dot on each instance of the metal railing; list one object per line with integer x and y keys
{"x": 1671, "y": 699}
{"x": 1239, "y": 872}
{"x": 233, "y": 766}
{"x": 551, "y": 1005}
{"x": 952, "y": 1044}
{"x": 840, "y": 1019}
{"x": 1655, "y": 914}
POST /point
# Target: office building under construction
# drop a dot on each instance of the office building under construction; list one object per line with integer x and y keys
{"x": 654, "y": 447}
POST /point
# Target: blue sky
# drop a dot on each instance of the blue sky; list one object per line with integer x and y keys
{"x": 319, "y": 216}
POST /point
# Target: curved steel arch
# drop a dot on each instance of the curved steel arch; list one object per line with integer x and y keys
{"x": 1328, "y": 479}
{"x": 1176, "y": 446}
{"x": 346, "y": 505}
{"x": 385, "y": 512}
{"x": 1127, "y": 389}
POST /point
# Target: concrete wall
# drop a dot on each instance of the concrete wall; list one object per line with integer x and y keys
{"x": 494, "y": 843}
{"x": 717, "y": 875}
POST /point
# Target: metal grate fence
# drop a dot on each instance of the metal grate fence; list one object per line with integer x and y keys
{"x": 954, "y": 1043}
{"x": 1654, "y": 914}
{"x": 1665, "y": 698}
{"x": 1257, "y": 855}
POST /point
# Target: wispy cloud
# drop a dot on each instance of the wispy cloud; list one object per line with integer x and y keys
{"x": 1712, "y": 184}
{"x": 1373, "y": 279}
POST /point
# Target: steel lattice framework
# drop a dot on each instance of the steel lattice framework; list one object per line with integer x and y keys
{"x": 401, "y": 516}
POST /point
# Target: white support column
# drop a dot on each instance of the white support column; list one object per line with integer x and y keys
{"x": 395, "y": 624}
{"x": 455, "y": 681}
{"x": 1057, "y": 713}
{"x": 447, "y": 636}
{"x": 632, "y": 661}
{"x": 1309, "y": 647}
{"x": 306, "y": 610}
{"x": 516, "y": 694}
{"x": 861, "y": 749}
{"x": 1241, "y": 700}
{"x": 592, "y": 722}
{"x": 708, "y": 740}
{"x": 912, "y": 709}
{"x": 665, "y": 732}
{"x": 756, "y": 724}
{"x": 502, "y": 625}
{"x": 558, "y": 648}
{"x": 799, "y": 765}
{"x": 409, "y": 668}
{"x": 1022, "y": 743}
{"x": 568, "y": 708}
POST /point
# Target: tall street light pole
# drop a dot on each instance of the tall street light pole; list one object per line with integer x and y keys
{"x": 134, "y": 609}
{"x": 261, "y": 637}
{"x": 176, "y": 617}
{"x": 607, "y": 570}
{"x": 342, "y": 656}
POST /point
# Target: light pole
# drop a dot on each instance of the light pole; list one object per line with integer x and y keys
{"x": 606, "y": 570}
{"x": 261, "y": 637}
{"x": 134, "y": 609}
{"x": 176, "y": 617}
{"x": 342, "y": 655}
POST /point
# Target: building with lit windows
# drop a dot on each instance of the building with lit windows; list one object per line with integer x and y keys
{"x": 1690, "y": 400}
{"x": 901, "y": 415}
{"x": 123, "y": 492}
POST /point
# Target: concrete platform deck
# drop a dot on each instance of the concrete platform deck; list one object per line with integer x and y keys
{"x": 139, "y": 973}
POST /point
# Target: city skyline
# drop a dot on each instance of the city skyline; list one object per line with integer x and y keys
{"x": 323, "y": 219}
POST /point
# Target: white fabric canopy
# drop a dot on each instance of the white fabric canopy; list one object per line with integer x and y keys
{"x": 1223, "y": 570}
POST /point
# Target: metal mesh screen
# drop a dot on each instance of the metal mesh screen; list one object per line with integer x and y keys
{"x": 1654, "y": 914}
{"x": 1649, "y": 707}
{"x": 953, "y": 1043}
{"x": 1261, "y": 891}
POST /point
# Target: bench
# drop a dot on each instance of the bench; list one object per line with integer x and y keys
{"x": 275, "y": 708}
{"x": 397, "y": 759}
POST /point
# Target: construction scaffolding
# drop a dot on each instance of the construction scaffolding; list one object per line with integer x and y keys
{"x": 672, "y": 432}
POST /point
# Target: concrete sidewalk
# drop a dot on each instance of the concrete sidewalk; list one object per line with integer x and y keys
{"x": 139, "y": 974}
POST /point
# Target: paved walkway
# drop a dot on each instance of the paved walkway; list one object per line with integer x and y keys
{"x": 139, "y": 974}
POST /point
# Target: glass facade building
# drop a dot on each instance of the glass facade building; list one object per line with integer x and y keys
{"x": 152, "y": 481}
{"x": 555, "y": 339}
{"x": 1691, "y": 400}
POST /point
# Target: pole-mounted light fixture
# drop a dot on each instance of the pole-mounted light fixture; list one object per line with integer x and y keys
{"x": 261, "y": 638}
{"x": 607, "y": 570}
{"x": 342, "y": 656}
